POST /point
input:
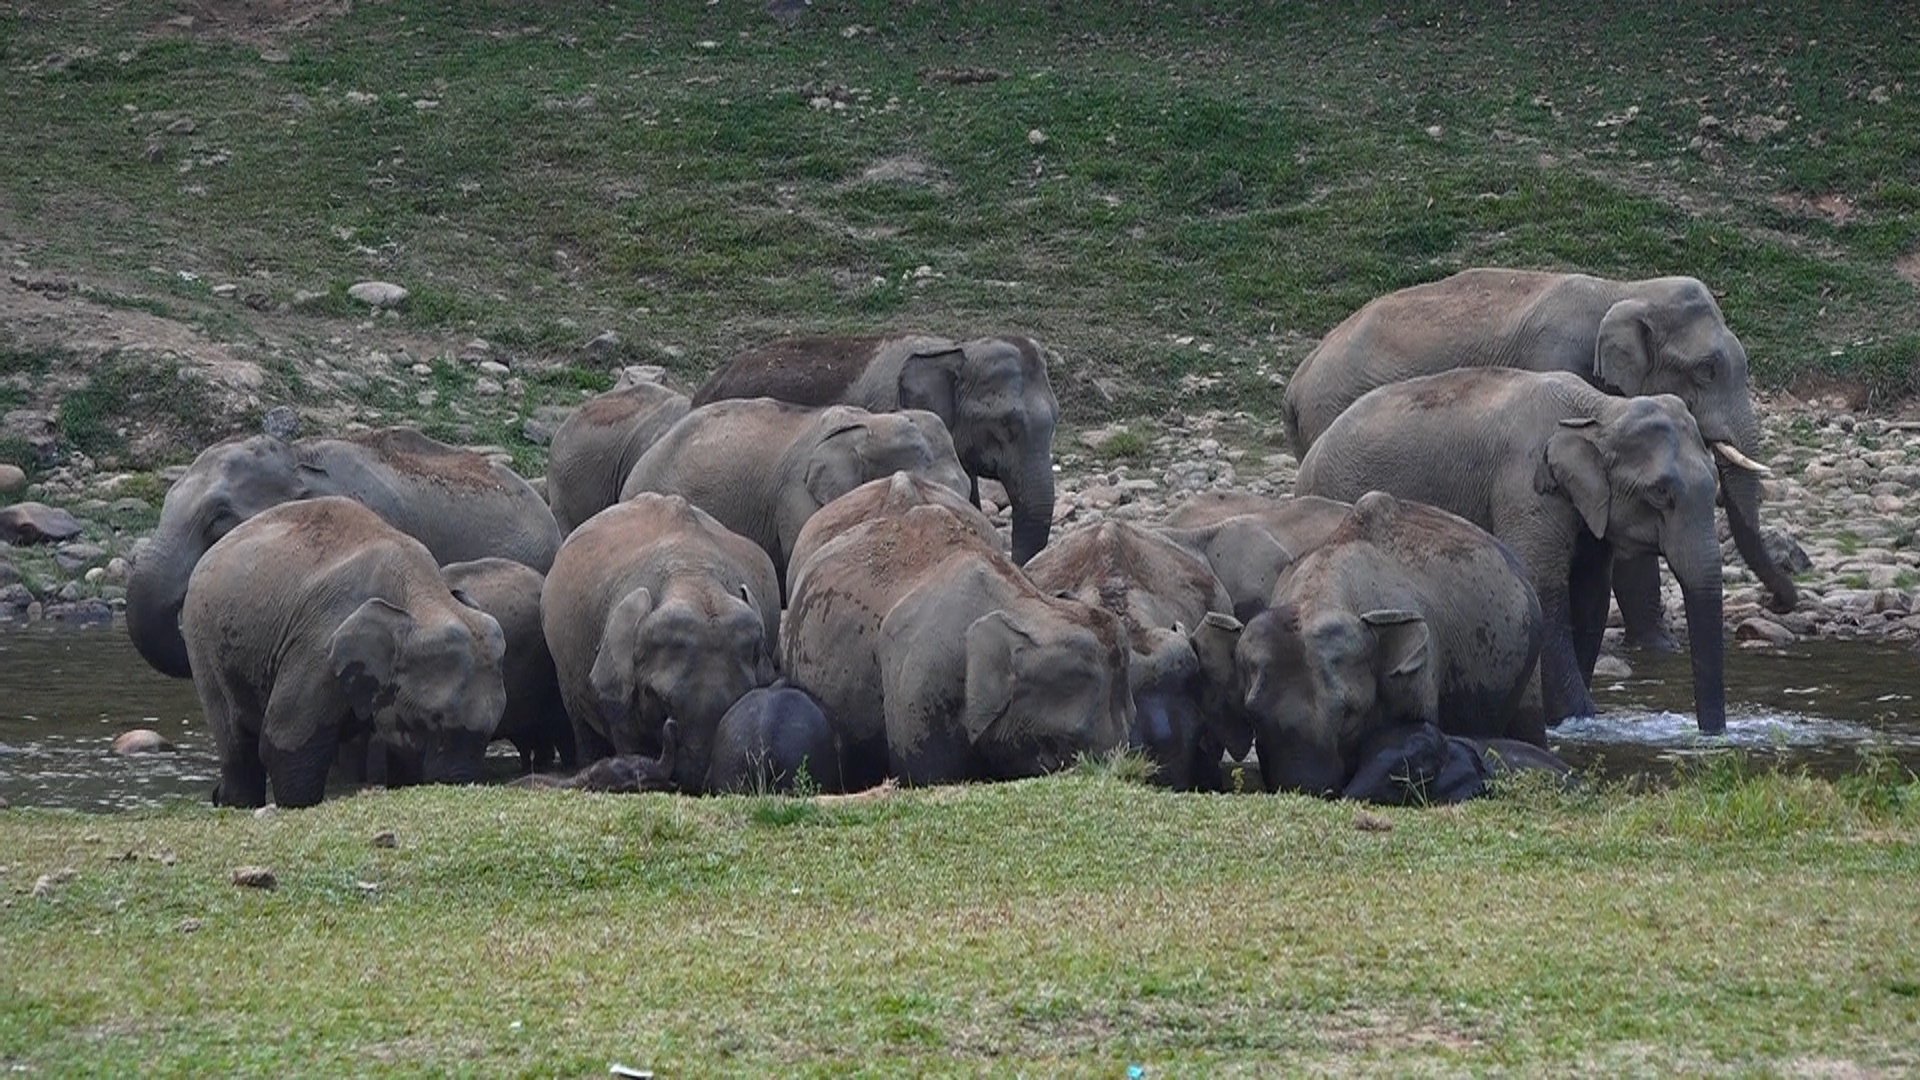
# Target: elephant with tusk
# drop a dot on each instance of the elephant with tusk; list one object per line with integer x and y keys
{"x": 1662, "y": 335}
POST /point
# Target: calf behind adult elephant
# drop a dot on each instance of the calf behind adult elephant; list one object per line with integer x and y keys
{"x": 315, "y": 620}
{"x": 535, "y": 718}
{"x": 1406, "y": 615}
{"x": 1567, "y": 477}
{"x": 654, "y": 610}
{"x": 763, "y": 467}
{"x": 939, "y": 661}
{"x": 775, "y": 739}
{"x": 992, "y": 393}
{"x": 1656, "y": 336}
{"x": 457, "y": 503}
{"x": 1186, "y": 711}
{"x": 600, "y": 442}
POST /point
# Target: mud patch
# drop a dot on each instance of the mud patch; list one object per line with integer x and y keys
{"x": 901, "y": 169}
{"x": 1908, "y": 266}
{"x": 1834, "y": 207}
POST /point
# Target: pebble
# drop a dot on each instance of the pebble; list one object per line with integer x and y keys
{"x": 255, "y": 877}
{"x": 378, "y": 294}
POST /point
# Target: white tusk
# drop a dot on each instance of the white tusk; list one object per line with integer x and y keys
{"x": 1735, "y": 457}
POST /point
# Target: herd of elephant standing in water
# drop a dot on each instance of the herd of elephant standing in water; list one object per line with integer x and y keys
{"x": 789, "y": 581}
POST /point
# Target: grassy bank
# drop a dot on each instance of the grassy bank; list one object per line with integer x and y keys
{"x": 1179, "y": 197}
{"x": 1072, "y": 925}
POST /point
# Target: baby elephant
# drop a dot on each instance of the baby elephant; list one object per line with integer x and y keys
{"x": 316, "y": 620}
{"x": 627, "y": 774}
{"x": 769, "y": 740}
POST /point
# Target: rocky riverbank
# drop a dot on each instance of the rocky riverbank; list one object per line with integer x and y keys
{"x": 1840, "y": 505}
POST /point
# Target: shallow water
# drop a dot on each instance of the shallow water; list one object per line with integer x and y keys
{"x": 65, "y": 693}
{"x": 1821, "y": 704}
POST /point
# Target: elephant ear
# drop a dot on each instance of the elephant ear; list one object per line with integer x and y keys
{"x": 837, "y": 463}
{"x": 1221, "y": 702}
{"x": 614, "y": 670}
{"x": 1401, "y": 645}
{"x": 364, "y": 652}
{"x": 1400, "y": 639}
{"x": 1623, "y": 353}
{"x": 927, "y": 382}
{"x": 1576, "y": 467}
{"x": 992, "y": 640}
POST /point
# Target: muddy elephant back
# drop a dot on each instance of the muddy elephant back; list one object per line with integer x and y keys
{"x": 810, "y": 371}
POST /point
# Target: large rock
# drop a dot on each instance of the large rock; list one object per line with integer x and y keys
{"x": 36, "y": 523}
{"x": 12, "y": 478}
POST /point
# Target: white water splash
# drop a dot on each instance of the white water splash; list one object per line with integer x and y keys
{"x": 1762, "y": 730}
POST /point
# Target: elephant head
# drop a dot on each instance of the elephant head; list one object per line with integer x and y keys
{"x": 993, "y": 395}
{"x": 428, "y": 687}
{"x": 686, "y": 658}
{"x": 1186, "y": 709}
{"x": 1668, "y": 337}
{"x": 1642, "y": 481}
{"x": 1045, "y": 687}
{"x": 855, "y": 446}
{"x": 227, "y": 484}
{"x": 1318, "y": 683}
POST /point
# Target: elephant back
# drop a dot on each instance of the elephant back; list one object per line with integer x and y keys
{"x": 597, "y": 445}
{"x": 812, "y": 371}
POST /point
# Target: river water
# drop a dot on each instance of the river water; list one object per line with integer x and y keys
{"x": 65, "y": 693}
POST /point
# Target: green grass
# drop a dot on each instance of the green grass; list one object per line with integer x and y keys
{"x": 1740, "y": 921}
{"x": 698, "y": 178}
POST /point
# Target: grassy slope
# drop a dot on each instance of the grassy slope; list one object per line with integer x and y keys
{"x": 698, "y": 178}
{"x": 1075, "y": 924}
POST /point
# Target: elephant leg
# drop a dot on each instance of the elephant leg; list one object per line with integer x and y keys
{"x": 1563, "y": 690}
{"x": 1593, "y": 564}
{"x": 1205, "y": 774}
{"x": 299, "y": 772}
{"x": 973, "y": 490}
{"x": 243, "y": 776}
{"x": 1636, "y": 584}
{"x": 590, "y": 744}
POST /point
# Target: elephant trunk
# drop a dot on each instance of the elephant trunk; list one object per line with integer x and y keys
{"x": 155, "y": 594}
{"x": 1031, "y": 492}
{"x": 1735, "y": 426}
{"x": 1301, "y": 765}
{"x": 1698, "y": 570}
{"x": 1740, "y": 490}
{"x": 458, "y": 759}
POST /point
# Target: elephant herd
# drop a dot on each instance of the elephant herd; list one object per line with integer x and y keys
{"x": 788, "y": 580}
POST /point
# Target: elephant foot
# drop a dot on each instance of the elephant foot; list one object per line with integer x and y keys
{"x": 1657, "y": 639}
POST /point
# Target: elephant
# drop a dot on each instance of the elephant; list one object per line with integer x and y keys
{"x": 315, "y": 620}
{"x": 1249, "y": 540}
{"x": 769, "y": 741}
{"x": 1186, "y": 713}
{"x": 654, "y": 610}
{"x": 938, "y": 661}
{"x": 1661, "y": 335}
{"x": 597, "y": 445}
{"x": 763, "y": 467}
{"x": 535, "y": 720}
{"x": 992, "y": 393}
{"x": 877, "y": 498}
{"x": 1406, "y": 615}
{"x": 623, "y": 773}
{"x": 1568, "y": 477}
{"x": 456, "y": 502}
